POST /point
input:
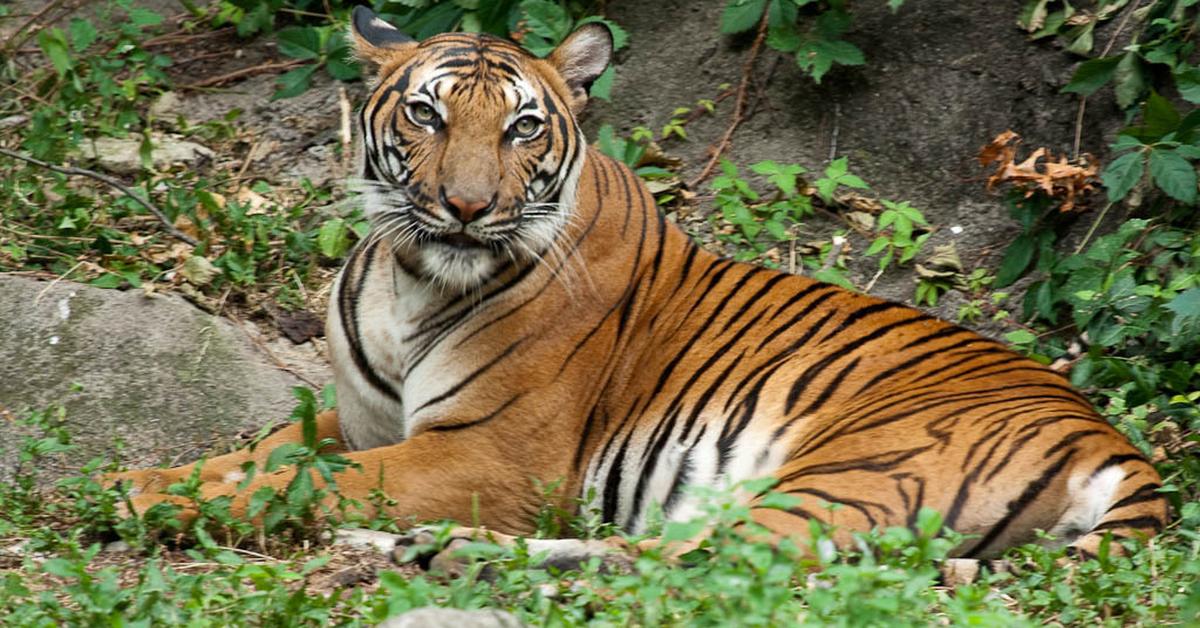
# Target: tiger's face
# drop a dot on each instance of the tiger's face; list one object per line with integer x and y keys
{"x": 471, "y": 148}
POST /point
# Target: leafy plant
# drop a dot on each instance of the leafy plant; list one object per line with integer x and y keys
{"x": 903, "y": 230}
{"x": 1161, "y": 45}
{"x": 816, "y": 48}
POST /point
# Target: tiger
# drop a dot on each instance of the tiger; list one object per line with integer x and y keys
{"x": 522, "y": 312}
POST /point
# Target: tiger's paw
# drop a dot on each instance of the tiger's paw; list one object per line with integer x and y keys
{"x": 447, "y": 553}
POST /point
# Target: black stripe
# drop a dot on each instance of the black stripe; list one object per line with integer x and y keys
{"x": 1018, "y": 505}
{"x": 470, "y": 378}
{"x": 443, "y": 427}
{"x": 1144, "y": 493}
{"x": 1133, "y": 523}
{"x": 348, "y": 314}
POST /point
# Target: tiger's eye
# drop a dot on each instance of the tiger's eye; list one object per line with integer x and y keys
{"x": 422, "y": 113}
{"x": 526, "y": 126}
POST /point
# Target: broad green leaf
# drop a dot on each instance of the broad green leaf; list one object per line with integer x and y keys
{"x": 1017, "y": 258}
{"x": 547, "y": 19}
{"x": 741, "y": 15}
{"x": 293, "y": 83}
{"x": 1020, "y": 337}
{"x": 1173, "y": 174}
{"x": 144, "y": 17}
{"x": 1092, "y": 75}
{"x": 602, "y": 86}
{"x": 683, "y": 531}
{"x": 1083, "y": 40}
{"x": 835, "y": 277}
{"x": 299, "y": 42}
{"x": 1159, "y": 117}
{"x": 778, "y": 501}
{"x": 280, "y": 455}
{"x": 83, "y": 34}
{"x": 334, "y": 238}
{"x": 1188, "y": 83}
{"x": 895, "y": 5}
{"x": 1129, "y": 80}
{"x": 54, "y": 44}
{"x": 1121, "y": 174}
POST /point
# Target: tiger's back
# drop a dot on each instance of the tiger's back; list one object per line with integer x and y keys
{"x": 730, "y": 371}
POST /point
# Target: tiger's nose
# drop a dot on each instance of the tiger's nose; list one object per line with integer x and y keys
{"x": 467, "y": 210}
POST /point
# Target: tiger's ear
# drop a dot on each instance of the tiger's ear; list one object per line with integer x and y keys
{"x": 581, "y": 59}
{"x": 374, "y": 39}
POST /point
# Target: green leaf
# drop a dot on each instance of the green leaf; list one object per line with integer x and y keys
{"x": 1017, "y": 258}
{"x": 546, "y": 19}
{"x": 835, "y": 277}
{"x": 778, "y": 501}
{"x": 83, "y": 34}
{"x": 602, "y": 86}
{"x": 741, "y": 15}
{"x": 841, "y": 52}
{"x": 895, "y": 5}
{"x": 1188, "y": 83}
{"x": 1173, "y": 174}
{"x": 280, "y": 455}
{"x": 334, "y": 238}
{"x": 54, "y": 44}
{"x": 1121, "y": 174}
{"x": 144, "y": 17}
{"x": 293, "y": 83}
{"x": 1159, "y": 117}
{"x": 1020, "y": 337}
{"x": 683, "y": 531}
{"x": 1129, "y": 79}
{"x": 1083, "y": 40}
{"x": 1092, "y": 75}
{"x": 299, "y": 42}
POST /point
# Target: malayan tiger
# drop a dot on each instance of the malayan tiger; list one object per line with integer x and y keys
{"x": 521, "y": 312}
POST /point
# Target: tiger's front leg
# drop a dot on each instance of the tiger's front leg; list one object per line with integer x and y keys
{"x": 226, "y": 469}
{"x": 432, "y": 476}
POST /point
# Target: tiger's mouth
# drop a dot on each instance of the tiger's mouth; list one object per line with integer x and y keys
{"x": 461, "y": 240}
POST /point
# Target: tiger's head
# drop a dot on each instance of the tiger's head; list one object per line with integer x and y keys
{"x": 472, "y": 152}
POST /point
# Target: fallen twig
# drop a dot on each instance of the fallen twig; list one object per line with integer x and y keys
{"x": 70, "y": 170}
{"x": 739, "y": 106}
{"x": 217, "y": 81}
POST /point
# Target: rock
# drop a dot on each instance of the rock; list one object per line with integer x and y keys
{"x": 168, "y": 105}
{"x": 164, "y": 377}
{"x": 432, "y": 617}
{"x": 362, "y": 538}
{"x": 121, "y": 155}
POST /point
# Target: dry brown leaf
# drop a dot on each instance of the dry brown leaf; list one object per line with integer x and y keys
{"x": 1058, "y": 178}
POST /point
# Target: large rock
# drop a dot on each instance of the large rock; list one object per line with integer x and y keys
{"x": 164, "y": 377}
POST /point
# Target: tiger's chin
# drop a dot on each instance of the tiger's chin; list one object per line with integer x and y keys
{"x": 458, "y": 268}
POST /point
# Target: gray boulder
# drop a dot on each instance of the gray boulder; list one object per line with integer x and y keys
{"x": 159, "y": 374}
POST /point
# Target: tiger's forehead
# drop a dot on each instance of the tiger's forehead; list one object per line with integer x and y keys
{"x": 471, "y": 67}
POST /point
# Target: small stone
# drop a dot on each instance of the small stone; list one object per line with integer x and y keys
{"x": 431, "y": 617}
